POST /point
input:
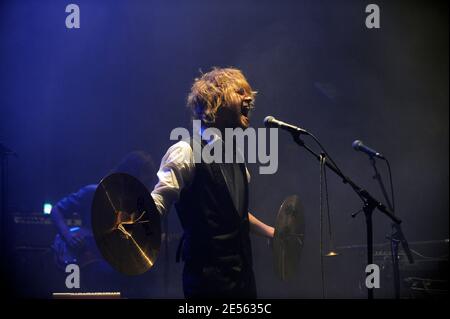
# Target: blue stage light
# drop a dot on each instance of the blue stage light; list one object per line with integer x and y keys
{"x": 47, "y": 208}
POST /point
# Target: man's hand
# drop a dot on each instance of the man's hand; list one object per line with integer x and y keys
{"x": 74, "y": 239}
{"x": 259, "y": 228}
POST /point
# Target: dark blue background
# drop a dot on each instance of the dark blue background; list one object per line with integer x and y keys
{"x": 73, "y": 102}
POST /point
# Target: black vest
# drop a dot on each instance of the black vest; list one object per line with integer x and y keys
{"x": 216, "y": 246}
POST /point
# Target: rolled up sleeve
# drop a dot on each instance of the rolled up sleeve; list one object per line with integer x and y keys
{"x": 175, "y": 172}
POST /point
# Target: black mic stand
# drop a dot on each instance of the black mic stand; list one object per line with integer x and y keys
{"x": 396, "y": 236}
{"x": 369, "y": 202}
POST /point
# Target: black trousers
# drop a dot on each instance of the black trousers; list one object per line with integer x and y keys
{"x": 218, "y": 282}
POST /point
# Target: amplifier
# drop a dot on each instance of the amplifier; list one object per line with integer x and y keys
{"x": 34, "y": 229}
{"x": 427, "y": 277}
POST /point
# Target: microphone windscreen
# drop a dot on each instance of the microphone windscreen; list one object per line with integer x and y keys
{"x": 357, "y": 144}
{"x": 268, "y": 120}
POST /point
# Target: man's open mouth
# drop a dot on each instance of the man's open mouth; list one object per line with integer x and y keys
{"x": 246, "y": 108}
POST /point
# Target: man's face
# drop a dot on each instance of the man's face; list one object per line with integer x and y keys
{"x": 236, "y": 112}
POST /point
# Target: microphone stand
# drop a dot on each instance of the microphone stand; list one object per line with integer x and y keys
{"x": 369, "y": 202}
{"x": 396, "y": 235}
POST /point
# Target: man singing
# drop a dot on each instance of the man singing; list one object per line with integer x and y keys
{"x": 211, "y": 199}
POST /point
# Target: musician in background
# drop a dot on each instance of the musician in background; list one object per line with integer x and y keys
{"x": 212, "y": 199}
{"x": 77, "y": 245}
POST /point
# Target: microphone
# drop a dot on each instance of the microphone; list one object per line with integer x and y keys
{"x": 270, "y": 121}
{"x": 359, "y": 146}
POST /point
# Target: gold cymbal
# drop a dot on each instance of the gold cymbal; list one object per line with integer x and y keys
{"x": 126, "y": 224}
{"x": 288, "y": 237}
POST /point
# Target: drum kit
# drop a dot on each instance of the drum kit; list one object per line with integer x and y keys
{"x": 127, "y": 228}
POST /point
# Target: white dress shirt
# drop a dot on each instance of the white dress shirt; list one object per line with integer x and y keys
{"x": 175, "y": 172}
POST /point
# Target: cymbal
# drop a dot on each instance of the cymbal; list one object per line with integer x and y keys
{"x": 126, "y": 224}
{"x": 288, "y": 237}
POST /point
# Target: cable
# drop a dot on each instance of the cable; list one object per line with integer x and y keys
{"x": 427, "y": 257}
{"x": 328, "y": 203}
{"x": 322, "y": 271}
{"x": 331, "y": 160}
{"x": 325, "y": 152}
{"x": 391, "y": 185}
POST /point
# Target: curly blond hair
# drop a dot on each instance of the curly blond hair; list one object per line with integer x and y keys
{"x": 213, "y": 89}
